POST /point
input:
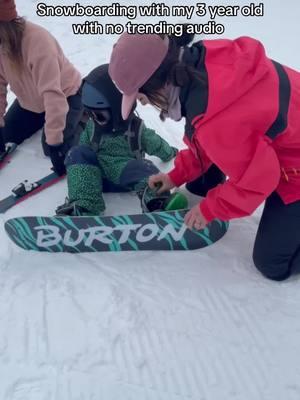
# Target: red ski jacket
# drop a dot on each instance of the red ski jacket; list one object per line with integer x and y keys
{"x": 244, "y": 116}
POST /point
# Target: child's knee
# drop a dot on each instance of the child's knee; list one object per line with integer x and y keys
{"x": 83, "y": 155}
{"x": 136, "y": 171}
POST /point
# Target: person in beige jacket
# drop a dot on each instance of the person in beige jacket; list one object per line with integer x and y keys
{"x": 46, "y": 85}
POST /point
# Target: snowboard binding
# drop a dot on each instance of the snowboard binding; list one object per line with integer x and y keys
{"x": 151, "y": 201}
{"x": 24, "y": 188}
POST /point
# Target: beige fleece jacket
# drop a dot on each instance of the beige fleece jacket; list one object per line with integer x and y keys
{"x": 47, "y": 79}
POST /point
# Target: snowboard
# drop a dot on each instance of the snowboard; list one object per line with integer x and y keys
{"x": 163, "y": 230}
{"x": 26, "y": 189}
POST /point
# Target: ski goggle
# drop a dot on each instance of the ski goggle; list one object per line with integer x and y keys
{"x": 101, "y": 117}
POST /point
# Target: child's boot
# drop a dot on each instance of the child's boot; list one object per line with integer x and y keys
{"x": 71, "y": 209}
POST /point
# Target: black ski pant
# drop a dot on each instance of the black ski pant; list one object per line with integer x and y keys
{"x": 21, "y": 124}
{"x": 276, "y": 252}
{"x": 2, "y": 144}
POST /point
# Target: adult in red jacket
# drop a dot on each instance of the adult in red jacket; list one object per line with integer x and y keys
{"x": 242, "y": 118}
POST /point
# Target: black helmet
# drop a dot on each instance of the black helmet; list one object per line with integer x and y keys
{"x": 99, "y": 93}
{"x": 92, "y": 98}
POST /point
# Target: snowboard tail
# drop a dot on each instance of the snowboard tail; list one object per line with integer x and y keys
{"x": 149, "y": 231}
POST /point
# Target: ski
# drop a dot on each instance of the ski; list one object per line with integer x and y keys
{"x": 163, "y": 230}
{"x": 25, "y": 189}
{"x": 5, "y": 157}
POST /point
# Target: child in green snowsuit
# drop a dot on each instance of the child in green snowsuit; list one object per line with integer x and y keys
{"x": 110, "y": 155}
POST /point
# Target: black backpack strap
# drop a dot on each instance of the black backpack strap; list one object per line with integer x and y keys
{"x": 134, "y": 136}
{"x": 281, "y": 121}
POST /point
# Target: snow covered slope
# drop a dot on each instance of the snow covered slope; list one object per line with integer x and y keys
{"x": 201, "y": 325}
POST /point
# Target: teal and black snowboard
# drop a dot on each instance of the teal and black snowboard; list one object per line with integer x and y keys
{"x": 149, "y": 231}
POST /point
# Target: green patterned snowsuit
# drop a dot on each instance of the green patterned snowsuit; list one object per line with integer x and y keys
{"x": 110, "y": 164}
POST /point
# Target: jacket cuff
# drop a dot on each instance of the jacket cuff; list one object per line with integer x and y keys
{"x": 53, "y": 137}
{"x": 175, "y": 178}
{"x": 206, "y": 211}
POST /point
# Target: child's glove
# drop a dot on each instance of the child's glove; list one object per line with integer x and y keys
{"x": 172, "y": 155}
{"x": 175, "y": 151}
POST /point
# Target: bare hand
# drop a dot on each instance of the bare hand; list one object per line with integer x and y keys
{"x": 195, "y": 219}
{"x": 162, "y": 181}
